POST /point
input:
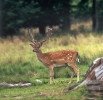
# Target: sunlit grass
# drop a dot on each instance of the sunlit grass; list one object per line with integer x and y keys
{"x": 17, "y": 58}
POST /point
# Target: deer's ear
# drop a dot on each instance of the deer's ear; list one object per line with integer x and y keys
{"x": 31, "y": 45}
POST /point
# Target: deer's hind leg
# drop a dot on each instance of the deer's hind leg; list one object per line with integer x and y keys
{"x": 74, "y": 68}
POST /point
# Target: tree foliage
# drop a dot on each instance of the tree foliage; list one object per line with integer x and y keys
{"x": 17, "y": 14}
{"x": 41, "y": 13}
{"x": 84, "y": 9}
{"x": 33, "y": 13}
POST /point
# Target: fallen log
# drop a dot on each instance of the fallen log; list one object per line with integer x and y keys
{"x": 14, "y": 85}
{"x": 95, "y": 89}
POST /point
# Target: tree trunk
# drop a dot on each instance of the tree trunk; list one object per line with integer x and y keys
{"x": 97, "y": 16}
{"x": 42, "y": 30}
{"x": 94, "y": 15}
{"x": 66, "y": 17}
{"x": 66, "y": 23}
{"x": 0, "y": 19}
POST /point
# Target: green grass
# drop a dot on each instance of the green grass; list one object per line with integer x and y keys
{"x": 43, "y": 92}
{"x": 18, "y": 60}
{"x": 19, "y": 64}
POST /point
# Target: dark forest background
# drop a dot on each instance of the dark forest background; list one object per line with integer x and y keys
{"x": 16, "y": 14}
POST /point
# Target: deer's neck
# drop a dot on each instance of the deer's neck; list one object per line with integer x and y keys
{"x": 40, "y": 55}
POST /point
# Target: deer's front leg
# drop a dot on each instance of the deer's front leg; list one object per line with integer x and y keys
{"x": 51, "y": 74}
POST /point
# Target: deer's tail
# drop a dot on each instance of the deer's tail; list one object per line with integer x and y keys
{"x": 78, "y": 58}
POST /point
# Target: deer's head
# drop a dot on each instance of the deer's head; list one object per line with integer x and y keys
{"x": 35, "y": 44}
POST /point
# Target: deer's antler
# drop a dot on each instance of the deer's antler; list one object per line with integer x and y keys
{"x": 48, "y": 35}
{"x": 30, "y": 32}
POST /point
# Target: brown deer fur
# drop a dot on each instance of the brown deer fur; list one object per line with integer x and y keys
{"x": 57, "y": 59}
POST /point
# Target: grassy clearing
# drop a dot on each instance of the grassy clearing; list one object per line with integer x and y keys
{"x": 19, "y": 64}
{"x": 18, "y": 60}
{"x": 43, "y": 92}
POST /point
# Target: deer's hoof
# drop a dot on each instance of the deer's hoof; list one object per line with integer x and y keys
{"x": 77, "y": 82}
{"x": 70, "y": 82}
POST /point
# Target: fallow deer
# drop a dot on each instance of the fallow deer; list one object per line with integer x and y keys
{"x": 55, "y": 59}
